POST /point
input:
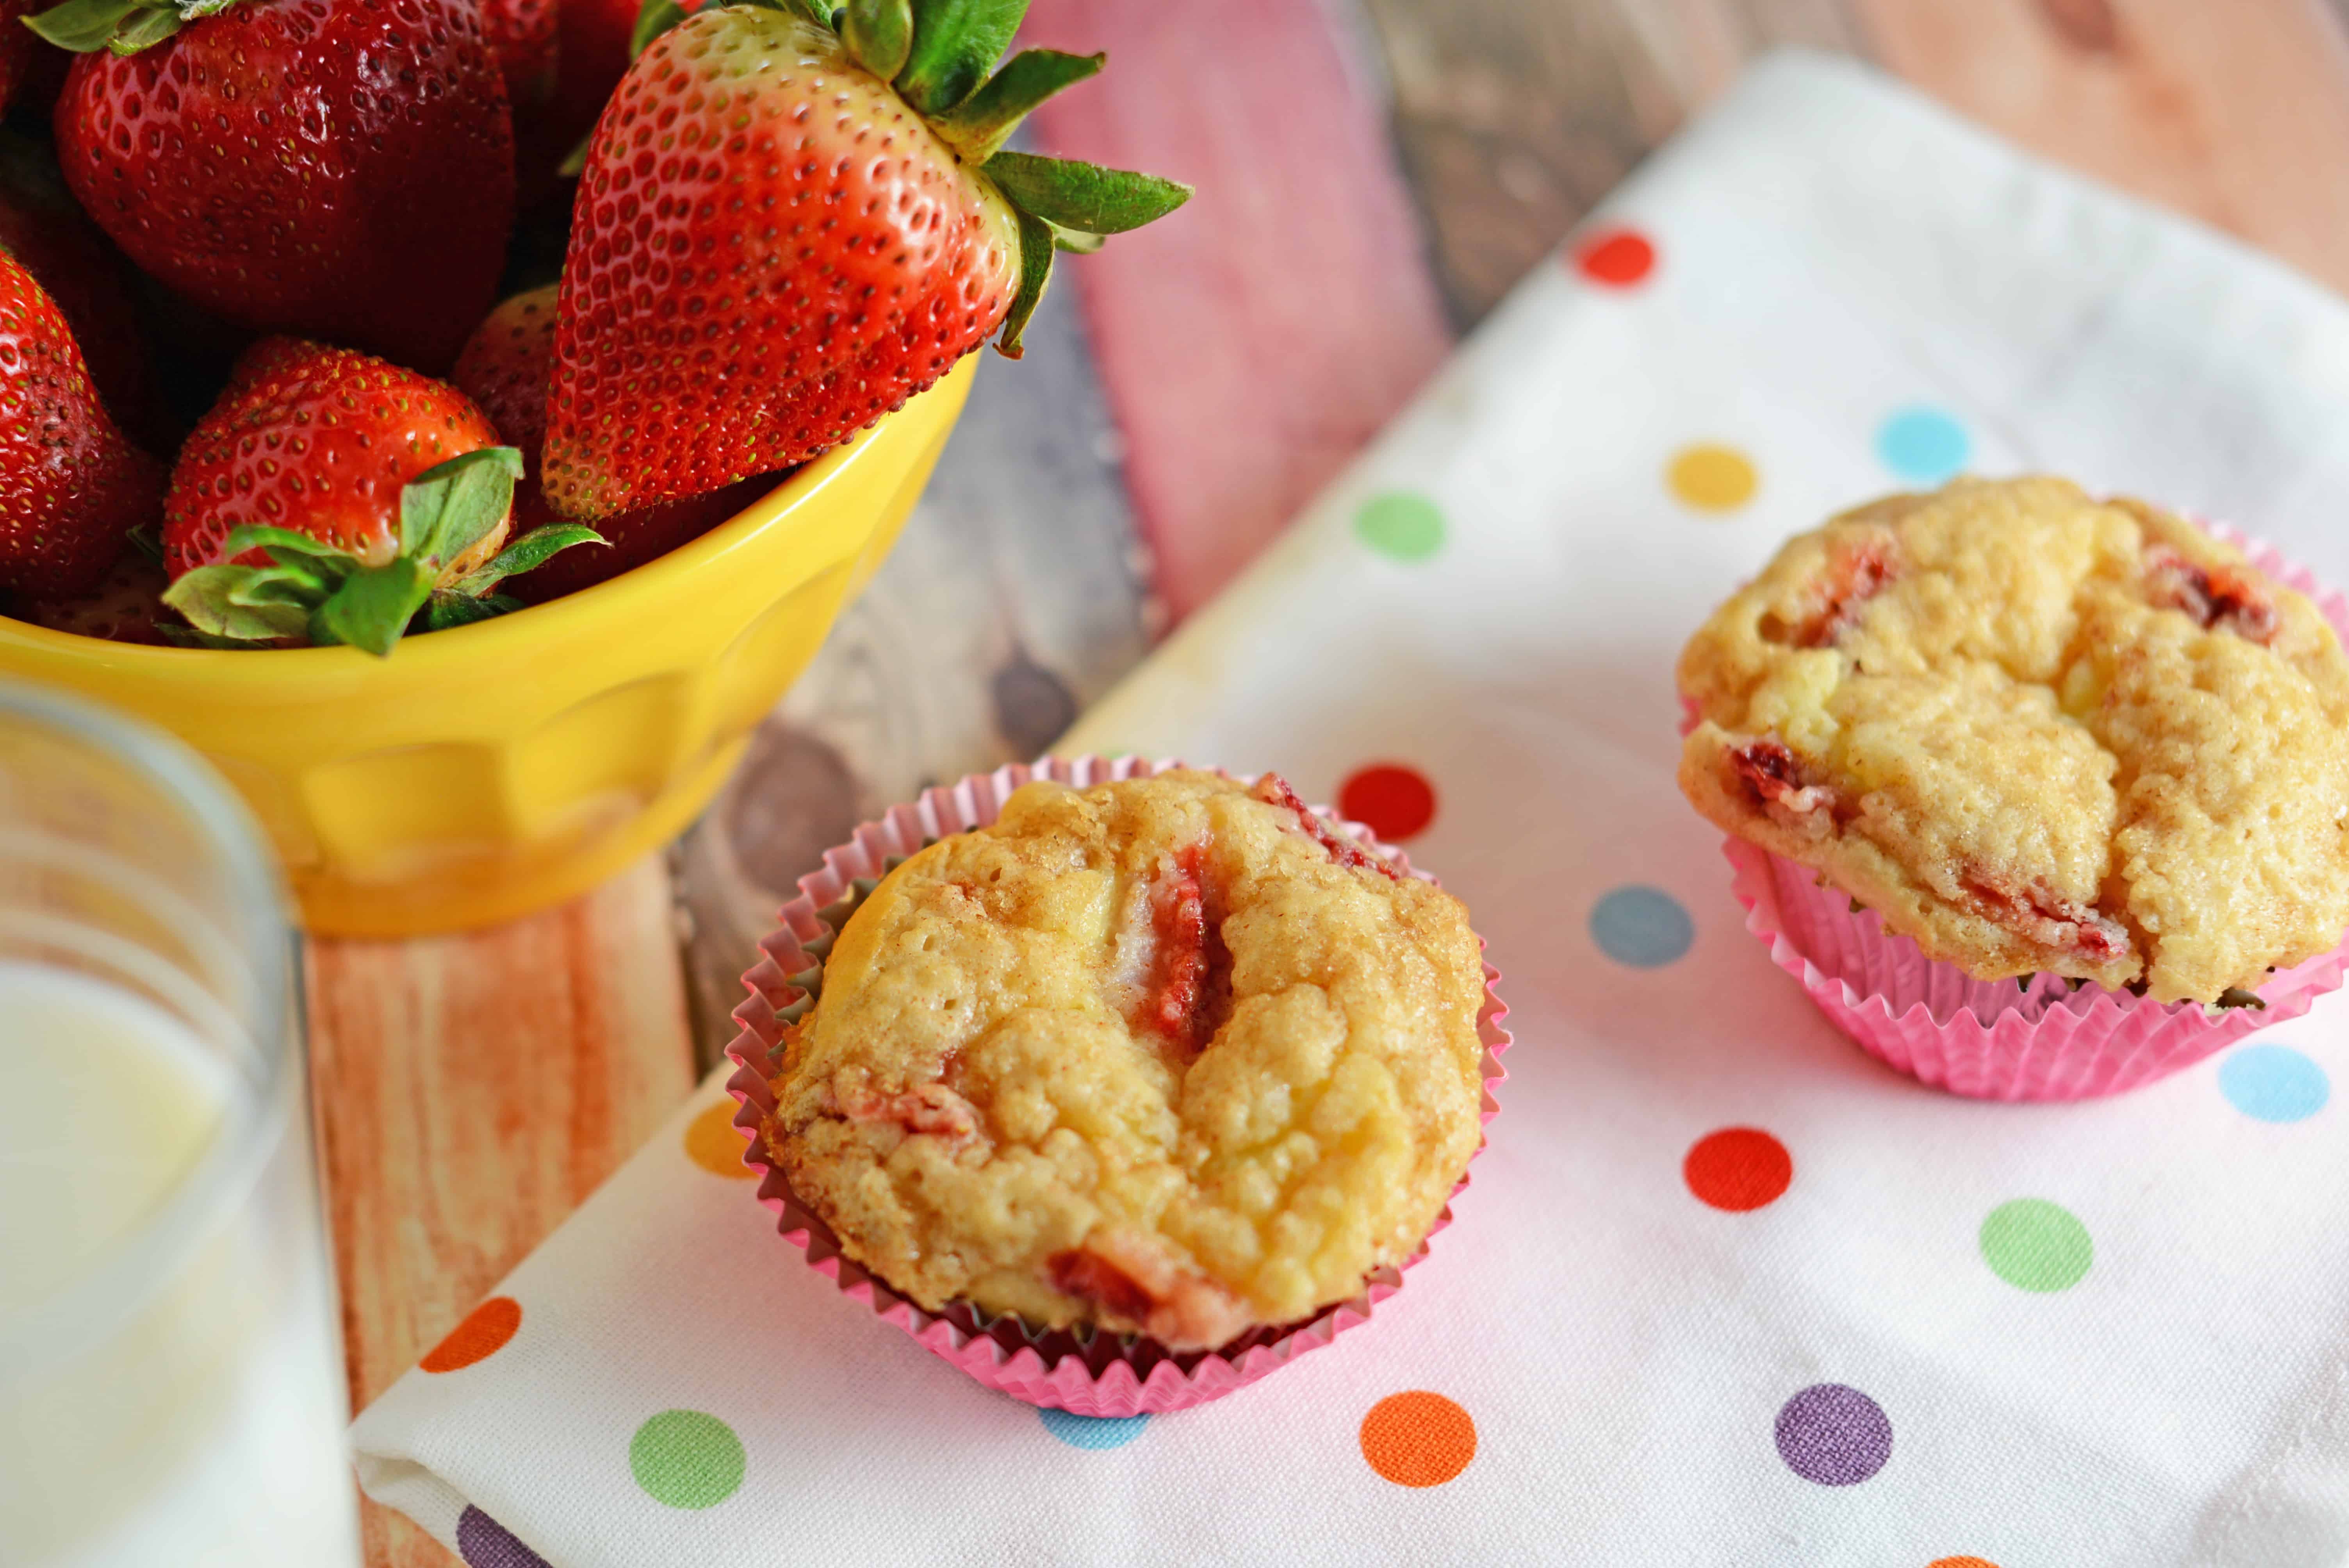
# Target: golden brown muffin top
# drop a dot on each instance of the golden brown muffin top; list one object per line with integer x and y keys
{"x": 1160, "y": 1056}
{"x": 2037, "y": 732}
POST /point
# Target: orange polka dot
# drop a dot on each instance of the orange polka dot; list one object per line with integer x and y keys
{"x": 484, "y": 1333}
{"x": 1393, "y": 802}
{"x": 1711, "y": 477}
{"x": 1961, "y": 1562}
{"x": 1418, "y": 1438}
{"x": 1737, "y": 1168}
{"x": 1620, "y": 257}
{"x": 713, "y": 1142}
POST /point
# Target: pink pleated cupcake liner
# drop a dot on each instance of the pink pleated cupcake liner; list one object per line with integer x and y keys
{"x": 1998, "y": 1039}
{"x": 1084, "y": 1373}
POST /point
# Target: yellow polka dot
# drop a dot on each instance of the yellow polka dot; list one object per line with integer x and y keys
{"x": 1711, "y": 477}
{"x": 713, "y": 1142}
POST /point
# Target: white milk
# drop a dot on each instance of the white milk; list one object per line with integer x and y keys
{"x": 196, "y": 1416}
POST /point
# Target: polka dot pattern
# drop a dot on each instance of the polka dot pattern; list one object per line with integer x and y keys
{"x": 1711, "y": 477}
{"x": 2273, "y": 1083}
{"x": 1834, "y": 1435}
{"x": 484, "y": 1543}
{"x": 1093, "y": 1432}
{"x": 687, "y": 1459}
{"x": 1401, "y": 525}
{"x": 2036, "y": 1245}
{"x": 1393, "y": 802}
{"x": 487, "y": 1329}
{"x": 1923, "y": 445}
{"x": 713, "y": 1142}
{"x": 1645, "y": 928}
{"x": 1616, "y": 258}
{"x": 1418, "y": 1438}
{"x": 1738, "y": 1168}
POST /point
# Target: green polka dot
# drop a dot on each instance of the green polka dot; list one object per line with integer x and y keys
{"x": 687, "y": 1459}
{"x": 1403, "y": 525}
{"x": 2034, "y": 1244}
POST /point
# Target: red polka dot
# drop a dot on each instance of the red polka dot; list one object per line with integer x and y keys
{"x": 484, "y": 1333}
{"x": 1737, "y": 1168}
{"x": 1617, "y": 257}
{"x": 1392, "y": 800}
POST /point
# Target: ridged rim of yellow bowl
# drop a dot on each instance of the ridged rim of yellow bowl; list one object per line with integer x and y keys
{"x": 478, "y": 645}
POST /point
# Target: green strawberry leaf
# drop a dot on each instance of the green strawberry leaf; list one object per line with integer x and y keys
{"x": 956, "y": 44}
{"x": 653, "y": 18}
{"x": 374, "y": 605}
{"x": 450, "y": 608}
{"x": 978, "y": 127}
{"x": 84, "y": 26}
{"x": 531, "y": 550}
{"x": 1084, "y": 196}
{"x": 879, "y": 33}
{"x": 1035, "y": 272}
{"x": 288, "y": 548}
{"x": 1076, "y": 242}
{"x": 446, "y": 511}
{"x": 142, "y": 29}
{"x": 189, "y": 637}
{"x": 217, "y": 600}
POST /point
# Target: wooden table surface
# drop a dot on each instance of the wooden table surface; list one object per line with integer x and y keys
{"x": 1373, "y": 175}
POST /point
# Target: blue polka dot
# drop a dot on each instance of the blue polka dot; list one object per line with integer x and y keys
{"x": 1093, "y": 1431}
{"x": 1645, "y": 928}
{"x": 1924, "y": 446}
{"x": 2273, "y": 1083}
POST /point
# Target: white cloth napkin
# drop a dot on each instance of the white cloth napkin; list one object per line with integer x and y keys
{"x": 2108, "y": 1333}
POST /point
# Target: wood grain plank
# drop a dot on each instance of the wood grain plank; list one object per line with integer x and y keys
{"x": 470, "y": 1090}
{"x": 1252, "y": 342}
{"x": 1515, "y": 117}
{"x": 2237, "y": 113}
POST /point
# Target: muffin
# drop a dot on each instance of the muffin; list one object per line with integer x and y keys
{"x": 2038, "y": 735}
{"x": 1160, "y": 1057}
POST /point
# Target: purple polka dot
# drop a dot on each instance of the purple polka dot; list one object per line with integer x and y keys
{"x": 484, "y": 1543}
{"x": 1834, "y": 1435}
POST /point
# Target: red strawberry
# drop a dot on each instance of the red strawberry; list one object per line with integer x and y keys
{"x": 336, "y": 168}
{"x": 504, "y": 370}
{"x": 329, "y": 497}
{"x": 71, "y": 485}
{"x": 42, "y": 227}
{"x": 522, "y": 34}
{"x": 16, "y": 46}
{"x": 782, "y": 233}
{"x": 127, "y": 605}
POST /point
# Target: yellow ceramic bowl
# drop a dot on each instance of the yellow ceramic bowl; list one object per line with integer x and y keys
{"x": 486, "y": 771}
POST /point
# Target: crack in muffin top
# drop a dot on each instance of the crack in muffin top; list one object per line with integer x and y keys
{"x": 2037, "y": 732}
{"x": 1164, "y": 1057}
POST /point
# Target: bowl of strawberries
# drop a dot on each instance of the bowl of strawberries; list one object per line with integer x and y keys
{"x": 475, "y": 599}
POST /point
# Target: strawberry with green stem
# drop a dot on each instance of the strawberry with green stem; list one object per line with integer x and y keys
{"x": 330, "y": 497}
{"x": 71, "y": 485}
{"x": 784, "y": 231}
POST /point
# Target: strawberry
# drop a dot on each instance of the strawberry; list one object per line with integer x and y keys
{"x": 126, "y": 606}
{"x": 334, "y": 169}
{"x": 329, "y": 497}
{"x": 71, "y": 485}
{"x": 42, "y": 227}
{"x": 16, "y": 46}
{"x": 522, "y": 35}
{"x": 782, "y": 233}
{"x": 505, "y": 369}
